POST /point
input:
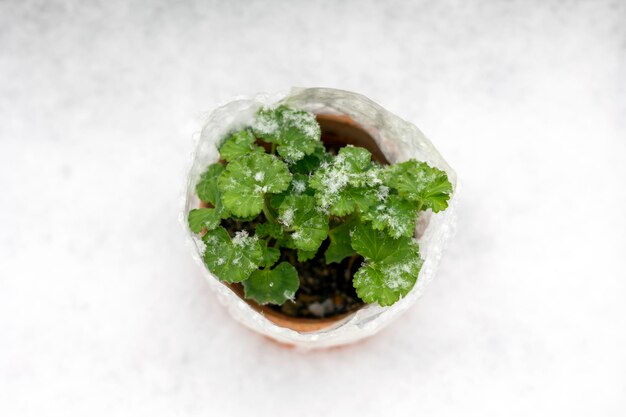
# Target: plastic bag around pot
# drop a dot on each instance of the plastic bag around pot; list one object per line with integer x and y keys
{"x": 398, "y": 140}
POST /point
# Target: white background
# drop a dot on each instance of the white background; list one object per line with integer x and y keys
{"x": 103, "y": 311}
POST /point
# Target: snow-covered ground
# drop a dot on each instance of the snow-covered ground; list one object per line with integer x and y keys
{"x": 103, "y": 311}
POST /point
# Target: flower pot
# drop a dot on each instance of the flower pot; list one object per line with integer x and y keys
{"x": 345, "y": 118}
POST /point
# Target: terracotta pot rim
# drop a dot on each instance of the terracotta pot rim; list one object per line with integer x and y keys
{"x": 299, "y": 324}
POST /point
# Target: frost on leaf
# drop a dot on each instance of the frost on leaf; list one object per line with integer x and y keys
{"x": 350, "y": 199}
{"x": 299, "y": 185}
{"x": 391, "y": 265}
{"x": 207, "y": 186}
{"x": 247, "y": 179}
{"x": 310, "y": 163}
{"x": 208, "y": 218}
{"x": 272, "y": 286}
{"x": 418, "y": 182}
{"x": 394, "y": 214}
{"x": 340, "y": 245}
{"x": 237, "y": 144}
{"x": 339, "y": 183}
{"x": 309, "y": 225}
{"x": 296, "y": 132}
{"x": 231, "y": 260}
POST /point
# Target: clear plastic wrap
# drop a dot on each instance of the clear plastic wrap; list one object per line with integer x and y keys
{"x": 399, "y": 140}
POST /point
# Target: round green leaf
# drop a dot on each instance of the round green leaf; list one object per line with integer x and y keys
{"x": 247, "y": 179}
{"x": 273, "y": 286}
{"x": 310, "y": 225}
{"x": 231, "y": 260}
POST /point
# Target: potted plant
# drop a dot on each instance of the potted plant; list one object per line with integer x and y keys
{"x": 306, "y": 217}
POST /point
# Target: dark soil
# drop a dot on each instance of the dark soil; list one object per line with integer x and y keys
{"x": 325, "y": 289}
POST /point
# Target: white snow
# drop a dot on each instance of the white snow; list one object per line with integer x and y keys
{"x": 299, "y": 186}
{"x": 241, "y": 238}
{"x": 383, "y": 192}
{"x": 266, "y": 125}
{"x": 287, "y": 216}
{"x": 104, "y": 313}
{"x": 303, "y": 121}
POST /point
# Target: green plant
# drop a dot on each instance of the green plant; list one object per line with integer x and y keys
{"x": 278, "y": 175}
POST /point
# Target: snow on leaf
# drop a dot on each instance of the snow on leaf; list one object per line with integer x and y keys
{"x": 394, "y": 214}
{"x": 239, "y": 143}
{"x": 311, "y": 162}
{"x": 296, "y": 132}
{"x": 267, "y": 125}
{"x": 356, "y": 158}
{"x": 309, "y": 225}
{"x": 337, "y": 183}
{"x": 231, "y": 260}
{"x": 299, "y": 185}
{"x": 418, "y": 182}
{"x": 272, "y": 286}
{"x": 350, "y": 199}
{"x": 391, "y": 265}
{"x": 243, "y": 187}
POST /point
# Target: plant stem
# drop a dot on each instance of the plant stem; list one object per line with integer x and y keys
{"x": 273, "y": 148}
{"x": 267, "y": 210}
{"x": 348, "y": 271}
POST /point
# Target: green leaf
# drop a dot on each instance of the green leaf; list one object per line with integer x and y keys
{"x": 239, "y": 143}
{"x": 209, "y": 192}
{"x": 386, "y": 283}
{"x": 270, "y": 229}
{"x": 305, "y": 255}
{"x": 296, "y": 132}
{"x": 231, "y": 260}
{"x": 350, "y": 199}
{"x": 270, "y": 255}
{"x": 311, "y": 162}
{"x": 207, "y": 186}
{"x": 373, "y": 244}
{"x": 309, "y": 224}
{"x": 267, "y": 124}
{"x": 340, "y": 243}
{"x": 285, "y": 241}
{"x": 356, "y": 158}
{"x": 394, "y": 214}
{"x": 299, "y": 185}
{"x": 391, "y": 265}
{"x": 247, "y": 179}
{"x": 203, "y": 217}
{"x": 372, "y": 176}
{"x": 418, "y": 182}
{"x": 338, "y": 184}
{"x": 273, "y": 286}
